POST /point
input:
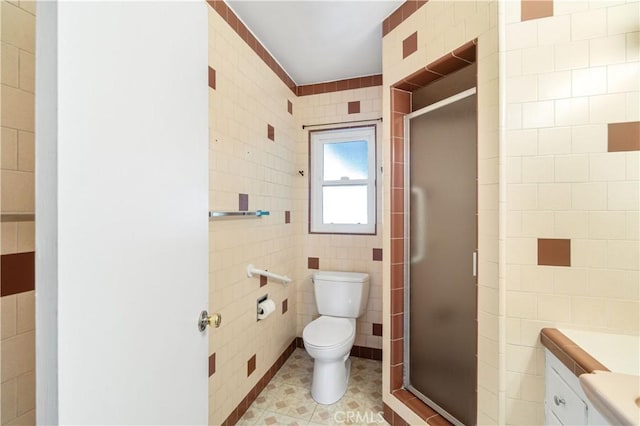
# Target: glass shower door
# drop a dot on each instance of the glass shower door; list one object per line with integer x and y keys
{"x": 440, "y": 356}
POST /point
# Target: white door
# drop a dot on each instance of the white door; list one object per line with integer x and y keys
{"x": 121, "y": 205}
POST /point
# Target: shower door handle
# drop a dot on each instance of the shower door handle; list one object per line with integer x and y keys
{"x": 421, "y": 226}
{"x": 475, "y": 263}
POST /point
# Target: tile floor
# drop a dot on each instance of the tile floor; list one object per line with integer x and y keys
{"x": 286, "y": 400}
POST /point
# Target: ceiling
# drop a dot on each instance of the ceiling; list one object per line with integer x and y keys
{"x": 317, "y": 41}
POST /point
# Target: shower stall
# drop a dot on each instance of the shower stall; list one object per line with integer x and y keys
{"x": 440, "y": 355}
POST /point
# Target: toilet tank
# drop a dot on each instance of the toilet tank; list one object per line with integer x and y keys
{"x": 341, "y": 294}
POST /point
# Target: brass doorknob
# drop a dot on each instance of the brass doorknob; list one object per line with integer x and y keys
{"x": 209, "y": 320}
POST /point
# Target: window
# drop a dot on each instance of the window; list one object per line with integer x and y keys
{"x": 343, "y": 181}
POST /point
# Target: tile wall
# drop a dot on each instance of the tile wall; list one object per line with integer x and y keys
{"x": 253, "y": 166}
{"x": 572, "y": 260}
{"x": 357, "y": 253}
{"x": 428, "y": 33}
{"x": 17, "y": 373}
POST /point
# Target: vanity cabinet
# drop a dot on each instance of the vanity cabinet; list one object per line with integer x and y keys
{"x": 565, "y": 402}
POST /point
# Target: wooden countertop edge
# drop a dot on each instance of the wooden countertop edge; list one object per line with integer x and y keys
{"x": 569, "y": 353}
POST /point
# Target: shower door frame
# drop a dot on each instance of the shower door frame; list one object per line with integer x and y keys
{"x": 407, "y": 248}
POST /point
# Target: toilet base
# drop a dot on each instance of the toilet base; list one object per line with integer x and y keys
{"x": 330, "y": 380}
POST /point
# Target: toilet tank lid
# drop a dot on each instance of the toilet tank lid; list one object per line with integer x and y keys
{"x": 355, "y": 277}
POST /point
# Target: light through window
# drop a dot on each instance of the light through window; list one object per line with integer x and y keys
{"x": 343, "y": 181}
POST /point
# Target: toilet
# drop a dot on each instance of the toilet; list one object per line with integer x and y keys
{"x": 341, "y": 297}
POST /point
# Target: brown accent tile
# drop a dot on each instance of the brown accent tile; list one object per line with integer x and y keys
{"x": 377, "y": 254}
{"x": 397, "y": 301}
{"x": 569, "y": 353}
{"x": 403, "y": 395}
{"x": 289, "y": 107}
{"x": 397, "y": 225}
{"x": 287, "y": 216}
{"x": 397, "y": 351}
{"x": 251, "y": 365}
{"x": 285, "y": 306}
{"x": 263, "y": 280}
{"x": 397, "y": 131}
{"x": 212, "y": 78}
{"x": 18, "y": 273}
{"x": 534, "y": 9}
{"x": 624, "y": 136}
{"x": 397, "y": 326}
{"x": 397, "y": 276}
{"x": 554, "y": 252}
{"x": 387, "y": 413}
{"x": 212, "y": 364}
{"x": 395, "y": 18}
{"x": 376, "y": 354}
{"x": 396, "y": 377}
{"x": 376, "y": 329}
{"x": 397, "y": 150}
{"x": 397, "y": 175}
{"x": 438, "y": 420}
{"x": 271, "y": 132}
{"x": 410, "y": 45}
{"x": 400, "y": 101}
{"x": 353, "y": 107}
{"x": 420, "y": 408}
{"x": 397, "y": 200}
{"x": 339, "y": 85}
{"x": 466, "y": 52}
{"x": 299, "y": 342}
{"x": 243, "y": 202}
{"x": 447, "y": 64}
{"x": 399, "y": 421}
{"x": 313, "y": 263}
{"x": 397, "y": 250}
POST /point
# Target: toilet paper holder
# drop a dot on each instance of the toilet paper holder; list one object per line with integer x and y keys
{"x": 258, "y": 309}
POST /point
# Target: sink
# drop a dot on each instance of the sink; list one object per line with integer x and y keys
{"x": 615, "y": 395}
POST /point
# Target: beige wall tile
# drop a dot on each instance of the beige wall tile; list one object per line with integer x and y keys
{"x": 27, "y": 71}
{"x": 554, "y": 308}
{"x": 572, "y": 111}
{"x": 17, "y": 191}
{"x": 538, "y": 114}
{"x": 9, "y": 154}
{"x": 18, "y": 27}
{"x": 554, "y": 85}
{"x": 26, "y": 393}
{"x": 26, "y": 151}
{"x": 17, "y": 108}
{"x": 9, "y": 400}
{"x": 589, "y": 196}
{"x": 555, "y": 196}
{"x": 571, "y": 168}
{"x": 589, "y": 24}
{"x": 623, "y": 315}
{"x": 608, "y": 50}
{"x": 623, "y": 196}
{"x": 571, "y": 55}
{"x": 26, "y": 237}
{"x": 28, "y": 5}
{"x": 18, "y": 355}
{"x": 25, "y": 314}
{"x": 9, "y": 316}
{"x": 623, "y": 18}
{"x": 28, "y": 418}
{"x": 9, "y": 72}
{"x": 9, "y": 238}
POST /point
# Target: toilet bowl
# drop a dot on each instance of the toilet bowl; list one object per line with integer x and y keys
{"x": 329, "y": 340}
{"x": 341, "y": 297}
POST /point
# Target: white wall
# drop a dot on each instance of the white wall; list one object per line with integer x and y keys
{"x": 123, "y": 195}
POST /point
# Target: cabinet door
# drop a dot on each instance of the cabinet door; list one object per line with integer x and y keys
{"x": 562, "y": 401}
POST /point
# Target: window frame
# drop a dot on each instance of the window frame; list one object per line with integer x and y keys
{"x": 317, "y": 140}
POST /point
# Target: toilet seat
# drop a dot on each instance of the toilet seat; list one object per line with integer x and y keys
{"x": 328, "y": 332}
